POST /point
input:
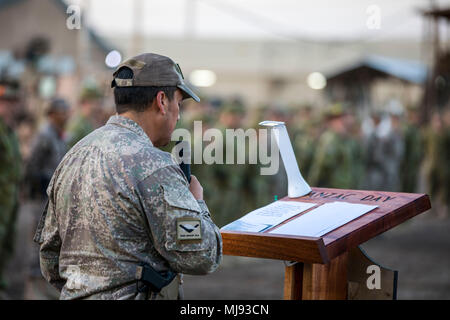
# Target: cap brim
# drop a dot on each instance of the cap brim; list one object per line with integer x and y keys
{"x": 188, "y": 93}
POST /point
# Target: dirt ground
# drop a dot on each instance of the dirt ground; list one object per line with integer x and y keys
{"x": 419, "y": 249}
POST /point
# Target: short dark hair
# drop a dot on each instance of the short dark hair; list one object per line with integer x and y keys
{"x": 137, "y": 98}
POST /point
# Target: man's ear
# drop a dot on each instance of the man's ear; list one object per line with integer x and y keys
{"x": 161, "y": 102}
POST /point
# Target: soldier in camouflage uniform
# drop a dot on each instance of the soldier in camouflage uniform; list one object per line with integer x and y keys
{"x": 47, "y": 150}
{"x": 10, "y": 171}
{"x": 117, "y": 202}
{"x": 414, "y": 150}
{"x": 435, "y": 164}
{"x": 335, "y": 162}
{"x": 84, "y": 122}
{"x": 303, "y": 139}
{"x": 385, "y": 149}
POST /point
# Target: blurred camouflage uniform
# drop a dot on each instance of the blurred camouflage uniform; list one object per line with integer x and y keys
{"x": 83, "y": 124}
{"x": 224, "y": 183}
{"x": 78, "y": 128}
{"x": 385, "y": 149}
{"x": 436, "y": 164}
{"x": 303, "y": 140}
{"x": 47, "y": 150}
{"x": 336, "y": 162}
{"x": 10, "y": 171}
{"x": 115, "y": 201}
{"x": 412, "y": 157}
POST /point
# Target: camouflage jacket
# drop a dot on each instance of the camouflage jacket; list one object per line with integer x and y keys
{"x": 116, "y": 201}
{"x": 10, "y": 175}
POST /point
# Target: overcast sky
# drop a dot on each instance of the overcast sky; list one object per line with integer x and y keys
{"x": 279, "y": 19}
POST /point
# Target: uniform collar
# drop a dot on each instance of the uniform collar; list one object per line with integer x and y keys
{"x": 129, "y": 124}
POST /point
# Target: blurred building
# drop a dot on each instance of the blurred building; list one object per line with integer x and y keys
{"x": 370, "y": 82}
{"x": 266, "y": 71}
{"x": 56, "y": 59}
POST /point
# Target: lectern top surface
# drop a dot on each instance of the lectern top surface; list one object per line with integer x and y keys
{"x": 393, "y": 208}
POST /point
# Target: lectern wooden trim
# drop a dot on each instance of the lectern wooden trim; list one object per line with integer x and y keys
{"x": 322, "y": 269}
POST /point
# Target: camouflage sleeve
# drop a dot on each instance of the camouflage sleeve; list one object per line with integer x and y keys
{"x": 47, "y": 236}
{"x": 181, "y": 227}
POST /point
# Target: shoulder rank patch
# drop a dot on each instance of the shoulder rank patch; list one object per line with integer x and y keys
{"x": 189, "y": 229}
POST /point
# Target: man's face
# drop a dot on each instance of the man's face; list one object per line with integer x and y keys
{"x": 59, "y": 118}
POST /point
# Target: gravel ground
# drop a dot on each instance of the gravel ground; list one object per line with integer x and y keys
{"x": 419, "y": 249}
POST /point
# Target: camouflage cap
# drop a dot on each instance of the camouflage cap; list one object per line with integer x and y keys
{"x": 150, "y": 69}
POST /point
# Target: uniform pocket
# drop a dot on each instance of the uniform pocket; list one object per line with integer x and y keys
{"x": 187, "y": 223}
{"x": 180, "y": 199}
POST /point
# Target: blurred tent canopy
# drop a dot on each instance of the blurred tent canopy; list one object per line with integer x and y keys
{"x": 353, "y": 82}
{"x": 374, "y": 66}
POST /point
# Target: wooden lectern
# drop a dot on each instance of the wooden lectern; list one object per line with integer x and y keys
{"x": 326, "y": 264}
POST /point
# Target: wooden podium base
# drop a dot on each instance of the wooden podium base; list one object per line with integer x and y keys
{"x": 344, "y": 278}
{"x": 313, "y": 281}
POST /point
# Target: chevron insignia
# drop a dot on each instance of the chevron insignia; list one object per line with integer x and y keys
{"x": 188, "y": 229}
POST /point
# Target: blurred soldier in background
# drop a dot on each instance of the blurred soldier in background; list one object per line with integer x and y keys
{"x": 303, "y": 138}
{"x": 232, "y": 115}
{"x": 226, "y": 179}
{"x": 47, "y": 150}
{"x": 84, "y": 120}
{"x": 435, "y": 164}
{"x": 334, "y": 163}
{"x": 373, "y": 178}
{"x": 446, "y": 161}
{"x": 393, "y": 148}
{"x": 414, "y": 150}
{"x": 10, "y": 170}
{"x": 385, "y": 152}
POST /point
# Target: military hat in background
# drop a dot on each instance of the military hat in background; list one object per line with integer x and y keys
{"x": 150, "y": 69}
{"x": 57, "y": 104}
{"x": 234, "y": 108}
{"x": 9, "y": 89}
{"x": 90, "y": 93}
{"x": 11, "y": 71}
{"x": 334, "y": 111}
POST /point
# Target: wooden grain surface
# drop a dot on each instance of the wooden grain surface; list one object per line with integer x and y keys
{"x": 393, "y": 209}
{"x": 325, "y": 281}
{"x": 263, "y": 245}
{"x": 293, "y": 282}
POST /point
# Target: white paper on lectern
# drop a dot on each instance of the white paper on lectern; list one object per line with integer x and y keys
{"x": 268, "y": 216}
{"x": 323, "y": 219}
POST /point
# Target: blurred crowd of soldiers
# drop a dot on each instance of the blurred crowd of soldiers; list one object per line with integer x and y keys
{"x": 387, "y": 150}
{"x": 335, "y": 148}
{"x": 31, "y": 148}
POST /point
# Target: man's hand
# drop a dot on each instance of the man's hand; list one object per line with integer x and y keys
{"x": 196, "y": 188}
